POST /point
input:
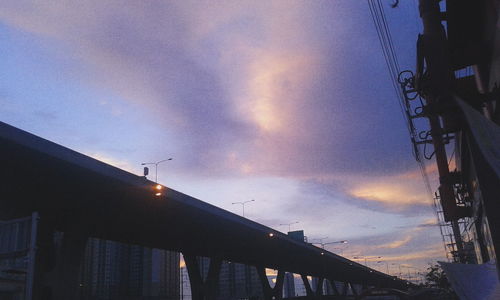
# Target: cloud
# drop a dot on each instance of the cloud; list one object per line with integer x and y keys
{"x": 122, "y": 164}
{"x": 270, "y": 83}
{"x": 398, "y": 192}
{"x": 389, "y": 193}
{"x": 397, "y": 244}
{"x": 427, "y": 254}
{"x": 286, "y": 95}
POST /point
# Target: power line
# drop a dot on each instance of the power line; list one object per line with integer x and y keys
{"x": 389, "y": 52}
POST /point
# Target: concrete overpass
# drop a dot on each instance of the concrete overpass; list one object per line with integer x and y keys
{"x": 84, "y": 197}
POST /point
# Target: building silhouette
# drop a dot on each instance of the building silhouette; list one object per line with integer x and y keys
{"x": 289, "y": 286}
{"x": 236, "y": 281}
{"x": 113, "y": 270}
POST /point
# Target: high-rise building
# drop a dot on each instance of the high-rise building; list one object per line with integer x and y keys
{"x": 236, "y": 281}
{"x": 113, "y": 270}
{"x": 289, "y": 286}
{"x": 239, "y": 281}
{"x": 169, "y": 275}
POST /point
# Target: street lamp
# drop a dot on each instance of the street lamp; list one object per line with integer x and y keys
{"x": 386, "y": 265}
{"x": 289, "y": 224}
{"x": 399, "y": 266}
{"x": 410, "y": 276}
{"x": 156, "y": 166}
{"x": 366, "y": 258}
{"x": 341, "y": 250}
{"x": 243, "y": 205}
{"x": 323, "y": 244}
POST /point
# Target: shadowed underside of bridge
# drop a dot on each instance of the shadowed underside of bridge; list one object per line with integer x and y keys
{"x": 73, "y": 192}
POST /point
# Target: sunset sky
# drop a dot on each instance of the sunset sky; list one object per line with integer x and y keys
{"x": 285, "y": 102}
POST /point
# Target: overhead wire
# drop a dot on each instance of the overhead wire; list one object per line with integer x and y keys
{"x": 391, "y": 59}
{"x": 385, "y": 39}
{"x": 384, "y": 36}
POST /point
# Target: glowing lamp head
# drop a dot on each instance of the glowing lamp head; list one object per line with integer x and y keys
{"x": 158, "y": 187}
{"x": 158, "y": 194}
{"x": 271, "y": 234}
{"x": 322, "y": 253}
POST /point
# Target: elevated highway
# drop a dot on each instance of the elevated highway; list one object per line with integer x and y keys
{"x": 84, "y": 197}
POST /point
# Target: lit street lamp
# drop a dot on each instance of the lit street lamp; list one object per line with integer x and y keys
{"x": 289, "y": 224}
{"x": 243, "y": 205}
{"x": 156, "y": 167}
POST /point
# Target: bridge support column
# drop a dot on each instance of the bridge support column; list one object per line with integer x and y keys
{"x": 319, "y": 287}
{"x": 346, "y": 289}
{"x": 364, "y": 287}
{"x": 334, "y": 287}
{"x": 203, "y": 289}
{"x": 307, "y": 285}
{"x": 275, "y": 292}
{"x": 57, "y": 270}
{"x": 64, "y": 278}
{"x": 353, "y": 289}
{"x": 309, "y": 291}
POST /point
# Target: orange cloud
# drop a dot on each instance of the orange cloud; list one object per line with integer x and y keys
{"x": 270, "y": 79}
{"x": 397, "y": 244}
{"x": 395, "y": 193}
{"x": 400, "y": 190}
{"x": 429, "y": 254}
{"x": 125, "y": 165}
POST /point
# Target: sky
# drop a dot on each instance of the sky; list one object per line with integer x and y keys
{"x": 288, "y": 103}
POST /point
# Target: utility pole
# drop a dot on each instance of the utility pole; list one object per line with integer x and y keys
{"x": 437, "y": 93}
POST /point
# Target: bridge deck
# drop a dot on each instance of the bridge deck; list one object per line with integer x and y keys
{"x": 75, "y": 192}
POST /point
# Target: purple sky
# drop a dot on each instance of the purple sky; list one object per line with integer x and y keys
{"x": 285, "y": 102}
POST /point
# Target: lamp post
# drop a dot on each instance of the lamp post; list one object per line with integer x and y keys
{"x": 243, "y": 205}
{"x": 410, "y": 276}
{"x": 156, "y": 166}
{"x": 341, "y": 250}
{"x": 289, "y": 225}
{"x": 323, "y": 244}
{"x": 386, "y": 265}
{"x": 366, "y": 258}
{"x": 399, "y": 266}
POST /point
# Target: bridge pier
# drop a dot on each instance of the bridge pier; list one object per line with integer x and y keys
{"x": 334, "y": 287}
{"x": 57, "y": 269}
{"x": 271, "y": 293}
{"x": 353, "y": 289}
{"x": 203, "y": 289}
{"x": 307, "y": 285}
{"x": 346, "y": 289}
{"x": 310, "y": 293}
